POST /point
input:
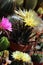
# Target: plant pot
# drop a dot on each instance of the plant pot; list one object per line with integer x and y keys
{"x": 20, "y": 47}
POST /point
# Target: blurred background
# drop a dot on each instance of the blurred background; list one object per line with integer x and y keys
{"x": 7, "y": 6}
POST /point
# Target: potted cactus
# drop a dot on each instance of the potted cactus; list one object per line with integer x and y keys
{"x": 23, "y": 30}
{"x": 20, "y": 36}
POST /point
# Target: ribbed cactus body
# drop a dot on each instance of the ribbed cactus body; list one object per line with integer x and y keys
{"x": 4, "y": 43}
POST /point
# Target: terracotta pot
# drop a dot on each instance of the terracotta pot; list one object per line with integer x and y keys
{"x": 20, "y": 47}
{"x": 36, "y": 63}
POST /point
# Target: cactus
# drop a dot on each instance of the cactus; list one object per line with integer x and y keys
{"x": 6, "y": 7}
{"x": 21, "y": 33}
{"x": 16, "y": 62}
{"x": 4, "y": 43}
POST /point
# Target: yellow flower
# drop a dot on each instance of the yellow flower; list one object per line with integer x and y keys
{"x": 21, "y": 56}
{"x": 26, "y": 58}
{"x": 17, "y": 55}
{"x": 29, "y": 17}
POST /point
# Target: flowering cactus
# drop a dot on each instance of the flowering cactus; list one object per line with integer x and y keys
{"x": 21, "y": 56}
{"x": 29, "y": 17}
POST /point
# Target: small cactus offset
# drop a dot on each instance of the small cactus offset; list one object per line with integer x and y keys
{"x": 4, "y": 43}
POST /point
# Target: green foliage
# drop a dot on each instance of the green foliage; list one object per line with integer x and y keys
{"x": 4, "y": 43}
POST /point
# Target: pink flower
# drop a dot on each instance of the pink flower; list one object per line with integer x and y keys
{"x": 6, "y": 24}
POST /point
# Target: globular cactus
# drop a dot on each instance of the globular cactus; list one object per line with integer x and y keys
{"x": 4, "y": 43}
{"x": 21, "y": 33}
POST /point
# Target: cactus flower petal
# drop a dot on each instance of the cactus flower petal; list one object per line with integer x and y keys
{"x": 6, "y": 24}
